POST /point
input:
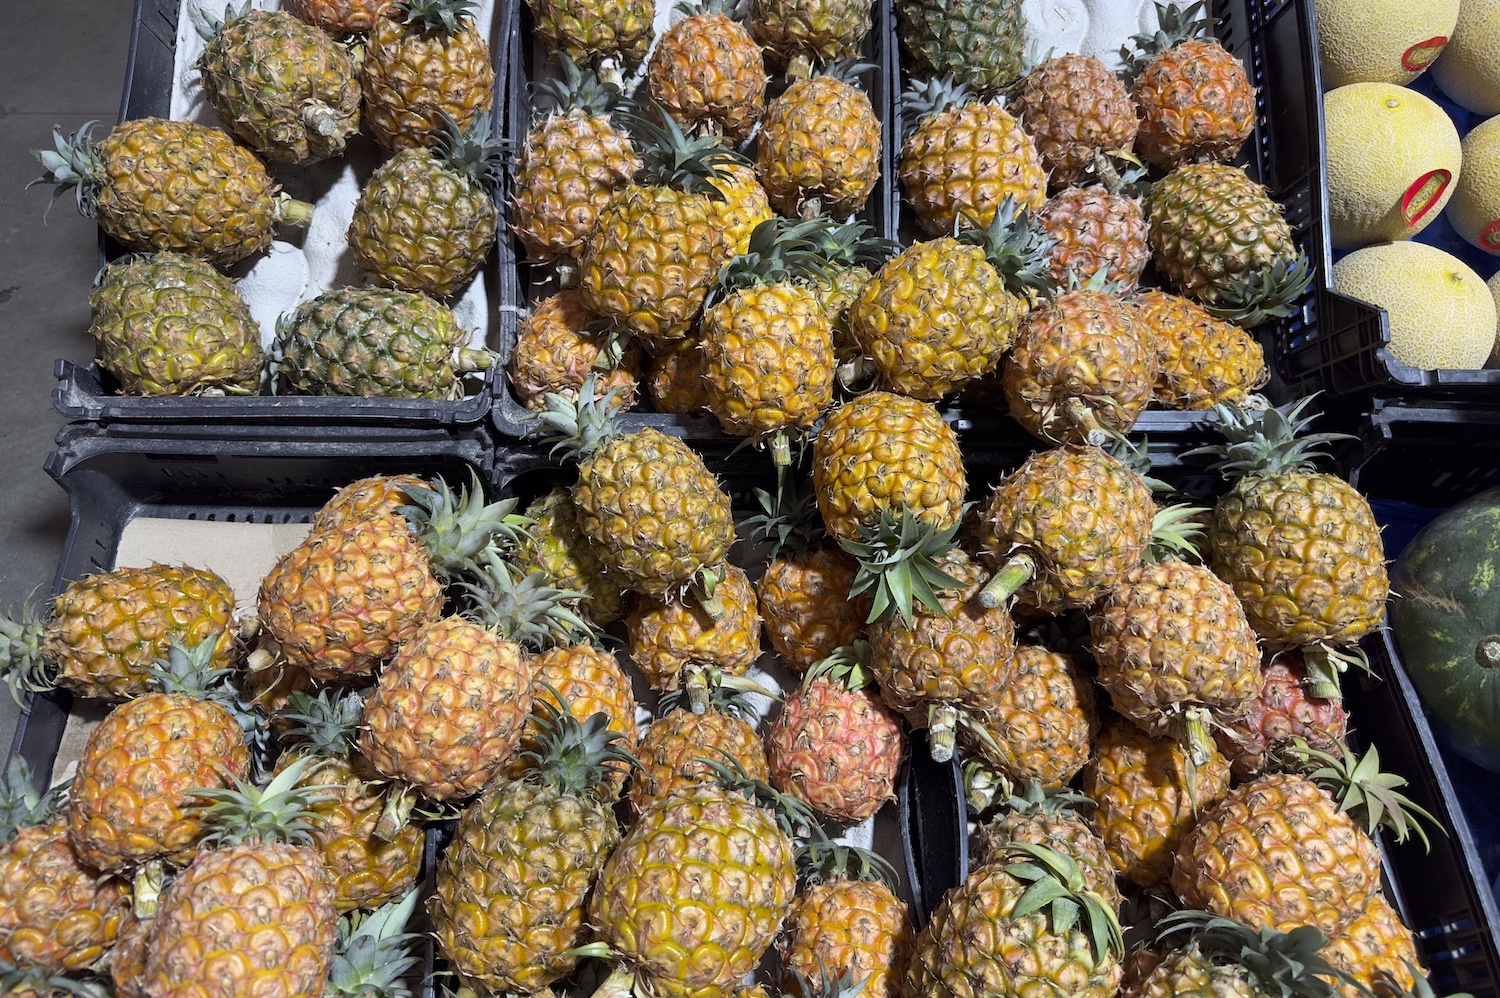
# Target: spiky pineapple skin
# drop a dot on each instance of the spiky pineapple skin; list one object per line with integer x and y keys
{"x": 825, "y": 30}
{"x": 1277, "y": 852}
{"x": 973, "y": 947}
{"x": 256, "y": 918}
{"x": 1374, "y": 948}
{"x": 654, "y": 511}
{"x": 589, "y": 681}
{"x": 1281, "y": 712}
{"x": 1189, "y": 972}
{"x": 1074, "y": 108}
{"x": 1201, "y": 361}
{"x": 836, "y": 749}
{"x": 935, "y": 317}
{"x": 589, "y": 30}
{"x": 555, "y": 546}
{"x": 1145, "y": 810}
{"x": 264, "y": 72}
{"x": 107, "y": 629}
{"x": 420, "y": 226}
{"x": 674, "y": 743}
{"x": 511, "y": 887}
{"x": 708, "y": 70}
{"x": 806, "y": 606}
{"x": 556, "y": 352}
{"x": 959, "y": 164}
{"x": 127, "y": 960}
{"x": 882, "y": 452}
{"x": 980, "y": 43}
{"x": 55, "y": 912}
{"x": 131, "y": 798}
{"x": 820, "y": 139}
{"x": 411, "y": 78}
{"x": 1043, "y": 722}
{"x": 1095, "y": 229}
{"x": 181, "y": 186}
{"x": 702, "y": 847}
{"x": 1303, "y": 552}
{"x": 1195, "y": 104}
{"x": 448, "y": 710}
{"x": 667, "y": 637}
{"x": 339, "y": 17}
{"x": 1066, "y": 832}
{"x": 674, "y": 378}
{"x": 170, "y": 324}
{"x": 853, "y": 927}
{"x": 768, "y": 361}
{"x": 571, "y": 164}
{"x": 744, "y": 205}
{"x": 364, "y": 498}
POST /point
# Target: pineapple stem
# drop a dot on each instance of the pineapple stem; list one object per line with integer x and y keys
{"x": 703, "y": 590}
{"x": 1322, "y": 679}
{"x": 781, "y": 450}
{"x": 248, "y": 627}
{"x": 619, "y": 984}
{"x": 467, "y": 360}
{"x": 942, "y": 731}
{"x": 1018, "y": 570}
{"x": 611, "y": 73}
{"x": 321, "y": 119}
{"x": 695, "y": 682}
{"x": 292, "y": 213}
{"x": 1083, "y": 418}
{"x": 799, "y": 68}
{"x": 566, "y": 272}
{"x": 260, "y": 660}
{"x": 1200, "y": 739}
{"x": 147, "y": 887}
{"x": 394, "y": 816}
{"x": 811, "y": 208}
{"x": 1487, "y": 653}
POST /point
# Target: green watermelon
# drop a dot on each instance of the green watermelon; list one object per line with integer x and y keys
{"x": 1445, "y": 616}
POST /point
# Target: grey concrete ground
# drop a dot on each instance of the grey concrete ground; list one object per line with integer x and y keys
{"x": 61, "y": 62}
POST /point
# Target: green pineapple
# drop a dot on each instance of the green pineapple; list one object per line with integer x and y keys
{"x": 980, "y": 43}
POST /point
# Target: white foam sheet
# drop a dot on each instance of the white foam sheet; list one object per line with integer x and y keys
{"x": 1088, "y": 27}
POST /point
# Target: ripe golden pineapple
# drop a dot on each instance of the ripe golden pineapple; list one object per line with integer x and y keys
{"x": 286, "y": 88}
{"x": 819, "y": 145}
{"x": 556, "y": 350}
{"x": 1043, "y": 723}
{"x": 554, "y": 546}
{"x": 155, "y": 185}
{"x": 1075, "y": 109}
{"x": 795, "y": 34}
{"x": 170, "y": 324}
{"x": 611, "y": 34}
{"x": 339, "y": 17}
{"x": 670, "y": 639}
{"x": 708, "y": 72}
{"x": 1282, "y": 712}
{"x": 1377, "y": 950}
{"x": 425, "y": 60}
{"x": 964, "y": 157}
{"x": 1147, "y": 805}
{"x": 589, "y": 681}
{"x": 1195, "y": 102}
{"x": 127, "y": 960}
{"x": 1094, "y": 228}
{"x": 744, "y": 205}
{"x": 672, "y": 750}
{"x": 1201, "y": 360}
{"x": 365, "y": 498}
{"x": 674, "y": 378}
{"x": 571, "y": 163}
{"x": 106, "y": 631}
{"x": 1051, "y": 818}
{"x": 981, "y": 43}
{"x": 846, "y": 923}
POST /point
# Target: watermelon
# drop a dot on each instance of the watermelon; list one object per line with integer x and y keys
{"x": 1445, "y": 617}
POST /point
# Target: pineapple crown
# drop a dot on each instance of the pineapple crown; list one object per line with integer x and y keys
{"x": 40, "y": 982}
{"x": 210, "y": 25}
{"x": 374, "y": 951}
{"x": 1037, "y": 799}
{"x": 578, "y": 87}
{"x": 1097, "y": 281}
{"x": 779, "y": 253}
{"x": 578, "y": 424}
{"x": 73, "y": 164}
{"x": 824, "y": 860}
{"x": 846, "y": 71}
{"x": 278, "y": 812}
{"x": 925, "y": 98}
{"x": 23, "y": 667}
{"x": 1269, "y": 293}
{"x": 827, "y": 984}
{"x": 1175, "y": 25}
{"x": 1283, "y": 964}
{"x": 849, "y": 244}
{"x": 1270, "y": 441}
{"x": 21, "y": 803}
{"x": 471, "y": 152}
{"x": 527, "y": 610}
{"x": 1176, "y": 531}
{"x": 794, "y": 817}
{"x": 846, "y": 664}
{"x": 898, "y": 557}
{"x": 732, "y": 9}
{"x": 443, "y": 16}
{"x": 670, "y": 158}
{"x": 717, "y": 692}
{"x": 790, "y": 522}
{"x": 1057, "y": 886}
{"x": 189, "y": 670}
{"x": 1136, "y": 455}
{"x": 1015, "y": 245}
{"x": 459, "y": 529}
{"x": 1364, "y": 792}
{"x": 575, "y": 756}
{"x": 325, "y": 724}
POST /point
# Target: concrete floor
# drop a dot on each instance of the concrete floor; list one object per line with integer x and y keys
{"x": 61, "y": 62}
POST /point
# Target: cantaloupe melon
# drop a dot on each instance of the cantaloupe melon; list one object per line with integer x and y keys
{"x": 1494, "y": 283}
{"x": 1393, "y": 155}
{"x": 1469, "y": 68}
{"x": 1389, "y": 42}
{"x": 1474, "y": 209}
{"x": 1441, "y": 313}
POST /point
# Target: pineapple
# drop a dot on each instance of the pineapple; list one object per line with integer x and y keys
{"x": 850, "y": 252}
{"x": 590, "y": 681}
{"x": 511, "y": 887}
{"x": 964, "y": 156}
{"x": 571, "y": 163}
{"x": 287, "y": 89}
{"x": 170, "y": 324}
{"x": 106, "y": 631}
{"x": 374, "y": 953}
{"x": 1051, "y": 818}
{"x": 367, "y": 872}
{"x": 364, "y": 498}
{"x": 1301, "y": 548}
{"x": 659, "y": 242}
{"x": 556, "y": 349}
{"x": 339, "y": 17}
{"x": 1025, "y": 923}
{"x": 674, "y": 378}
{"x": 610, "y": 34}
{"x": 675, "y": 744}
{"x": 819, "y": 145}
{"x": 942, "y": 313}
{"x": 554, "y": 546}
{"x": 744, "y": 205}
{"x": 1217, "y": 237}
{"x": 55, "y": 913}
{"x": 670, "y": 641}
{"x": 1095, "y": 229}
{"x": 254, "y": 911}
{"x": 1043, "y": 723}
{"x": 1377, "y": 951}
{"x": 1195, "y": 102}
{"x": 1282, "y": 712}
{"x": 707, "y": 70}
{"x": 794, "y": 34}
{"x": 1201, "y": 360}
{"x": 425, "y": 62}
{"x": 373, "y": 342}
{"x": 426, "y": 218}
{"x": 127, "y": 960}
{"x": 131, "y": 800}
{"x": 1149, "y": 795}
{"x": 1075, "y": 109}
{"x": 981, "y": 43}
{"x": 655, "y": 515}
{"x": 835, "y": 746}
{"x": 846, "y": 922}
{"x": 156, "y": 185}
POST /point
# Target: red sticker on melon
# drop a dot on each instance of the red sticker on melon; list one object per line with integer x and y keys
{"x": 1423, "y": 194}
{"x": 1420, "y": 55}
{"x": 1489, "y": 236}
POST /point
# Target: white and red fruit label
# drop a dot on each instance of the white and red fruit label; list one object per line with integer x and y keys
{"x": 1425, "y": 192}
{"x": 1489, "y": 236}
{"x": 1420, "y": 55}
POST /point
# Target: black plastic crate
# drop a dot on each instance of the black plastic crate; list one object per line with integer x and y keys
{"x": 86, "y": 391}
{"x": 1427, "y": 453}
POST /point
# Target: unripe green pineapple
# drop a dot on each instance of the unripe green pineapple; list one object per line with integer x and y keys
{"x": 979, "y": 43}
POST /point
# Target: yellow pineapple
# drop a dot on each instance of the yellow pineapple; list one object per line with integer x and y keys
{"x": 819, "y": 145}
{"x": 556, "y": 350}
{"x": 1075, "y": 109}
{"x": 672, "y": 750}
{"x": 425, "y": 60}
{"x": 847, "y": 922}
{"x": 671, "y": 640}
{"x": 708, "y": 72}
{"x": 1201, "y": 360}
{"x": 1042, "y": 724}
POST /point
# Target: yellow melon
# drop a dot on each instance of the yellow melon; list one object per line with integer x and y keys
{"x": 1469, "y": 68}
{"x": 1393, "y": 41}
{"x": 1393, "y": 155}
{"x": 1442, "y": 315}
{"x": 1494, "y": 283}
{"x": 1474, "y": 209}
